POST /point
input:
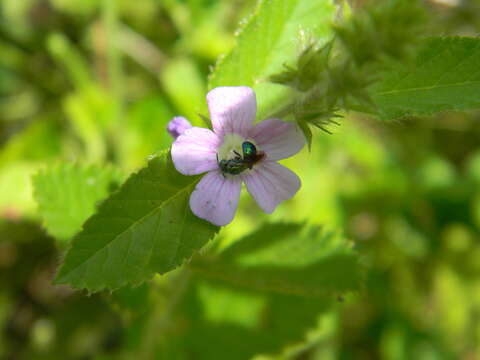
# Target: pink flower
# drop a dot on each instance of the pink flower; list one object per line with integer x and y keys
{"x": 197, "y": 150}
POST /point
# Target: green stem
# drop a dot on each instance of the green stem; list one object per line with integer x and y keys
{"x": 163, "y": 313}
{"x": 115, "y": 69}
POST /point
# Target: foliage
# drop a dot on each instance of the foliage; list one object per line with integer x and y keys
{"x": 287, "y": 259}
{"x": 264, "y": 322}
{"x": 327, "y": 80}
{"x": 268, "y": 293}
{"x": 392, "y": 271}
{"x": 146, "y": 227}
{"x": 444, "y": 77}
{"x": 268, "y": 40}
{"x": 67, "y": 194}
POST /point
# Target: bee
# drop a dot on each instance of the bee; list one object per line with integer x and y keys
{"x": 233, "y": 166}
{"x": 250, "y": 154}
{"x": 239, "y": 164}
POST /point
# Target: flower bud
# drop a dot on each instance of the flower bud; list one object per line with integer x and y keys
{"x": 177, "y": 126}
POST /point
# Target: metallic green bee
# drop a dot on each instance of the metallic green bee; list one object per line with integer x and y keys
{"x": 250, "y": 154}
{"x": 233, "y": 166}
{"x": 238, "y": 164}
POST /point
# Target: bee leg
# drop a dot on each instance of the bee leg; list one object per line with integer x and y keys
{"x": 236, "y": 153}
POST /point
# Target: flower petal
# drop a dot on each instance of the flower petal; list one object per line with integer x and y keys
{"x": 277, "y": 138}
{"x": 195, "y": 151}
{"x": 271, "y": 183}
{"x": 215, "y": 198}
{"x": 177, "y": 126}
{"x": 232, "y": 109}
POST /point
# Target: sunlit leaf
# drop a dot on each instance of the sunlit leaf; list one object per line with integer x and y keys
{"x": 146, "y": 227}
{"x": 67, "y": 194}
{"x": 269, "y": 40}
{"x": 444, "y": 77}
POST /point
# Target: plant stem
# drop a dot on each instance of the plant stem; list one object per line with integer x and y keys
{"x": 163, "y": 312}
{"x": 115, "y": 70}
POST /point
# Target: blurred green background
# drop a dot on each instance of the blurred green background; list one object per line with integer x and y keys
{"x": 95, "y": 82}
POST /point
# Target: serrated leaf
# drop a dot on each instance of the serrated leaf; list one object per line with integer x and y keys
{"x": 267, "y": 289}
{"x": 287, "y": 259}
{"x": 66, "y": 195}
{"x": 146, "y": 227}
{"x": 445, "y": 76}
{"x": 270, "y": 39}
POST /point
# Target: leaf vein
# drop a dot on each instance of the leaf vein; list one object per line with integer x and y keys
{"x": 91, "y": 256}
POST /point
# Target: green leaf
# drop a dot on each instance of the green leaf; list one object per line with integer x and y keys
{"x": 270, "y": 39}
{"x": 288, "y": 259}
{"x": 240, "y": 323}
{"x": 146, "y": 227}
{"x": 66, "y": 195}
{"x": 445, "y": 76}
{"x": 267, "y": 289}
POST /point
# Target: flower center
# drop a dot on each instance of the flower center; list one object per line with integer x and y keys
{"x": 237, "y": 155}
{"x": 231, "y": 143}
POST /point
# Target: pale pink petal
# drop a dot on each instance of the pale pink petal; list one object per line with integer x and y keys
{"x": 271, "y": 183}
{"x": 195, "y": 151}
{"x": 215, "y": 198}
{"x": 232, "y": 109}
{"x": 177, "y": 126}
{"x": 277, "y": 138}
